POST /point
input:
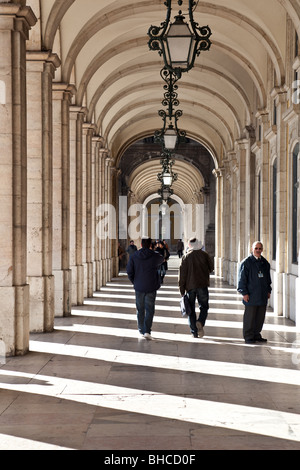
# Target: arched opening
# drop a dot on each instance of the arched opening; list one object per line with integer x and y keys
{"x": 190, "y": 210}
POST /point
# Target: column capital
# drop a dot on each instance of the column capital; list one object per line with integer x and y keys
{"x": 263, "y": 115}
{"x": 279, "y": 94}
{"x": 59, "y": 89}
{"x": 89, "y": 127}
{"x": 242, "y": 144}
{"x": 77, "y": 111}
{"x": 218, "y": 172}
{"x": 108, "y": 160}
{"x": 98, "y": 141}
{"x": 44, "y": 56}
{"x": 11, "y": 11}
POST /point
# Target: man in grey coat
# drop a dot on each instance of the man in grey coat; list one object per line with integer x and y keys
{"x": 254, "y": 283}
{"x": 194, "y": 272}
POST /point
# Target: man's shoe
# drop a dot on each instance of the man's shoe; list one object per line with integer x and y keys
{"x": 195, "y": 335}
{"x": 200, "y": 329}
{"x": 249, "y": 341}
{"x": 147, "y": 336}
{"x": 261, "y": 340}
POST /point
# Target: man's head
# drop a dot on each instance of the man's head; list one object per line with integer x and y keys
{"x": 194, "y": 243}
{"x": 257, "y": 248}
{"x": 146, "y": 242}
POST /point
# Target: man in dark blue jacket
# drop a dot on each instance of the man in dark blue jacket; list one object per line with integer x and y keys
{"x": 254, "y": 283}
{"x": 142, "y": 270}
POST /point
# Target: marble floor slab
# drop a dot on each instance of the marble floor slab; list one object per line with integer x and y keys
{"x": 95, "y": 384}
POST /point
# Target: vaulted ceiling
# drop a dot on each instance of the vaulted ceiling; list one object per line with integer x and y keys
{"x": 103, "y": 47}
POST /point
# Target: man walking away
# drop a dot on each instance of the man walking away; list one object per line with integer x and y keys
{"x": 194, "y": 271}
{"x": 254, "y": 283}
{"x": 142, "y": 270}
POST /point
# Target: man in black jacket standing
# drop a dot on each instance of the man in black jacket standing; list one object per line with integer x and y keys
{"x": 142, "y": 270}
{"x": 254, "y": 283}
{"x": 194, "y": 272}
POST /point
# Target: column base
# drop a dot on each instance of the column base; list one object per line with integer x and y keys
{"x": 41, "y": 303}
{"x": 297, "y": 301}
{"x": 63, "y": 292}
{"x": 14, "y": 328}
{"x": 277, "y": 293}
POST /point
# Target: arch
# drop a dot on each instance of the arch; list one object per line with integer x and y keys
{"x": 144, "y": 178}
{"x": 119, "y": 144}
{"x": 106, "y": 15}
{"x": 100, "y": 59}
{"x": 185, "y": 86}
{"x": 256, "y": 30}
{"x": 123, "y": 112}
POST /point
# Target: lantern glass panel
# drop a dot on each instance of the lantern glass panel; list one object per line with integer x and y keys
{"x": 167, "y": 178}
{"x": 170, "y": 139}
{"x": 179, "y": 41}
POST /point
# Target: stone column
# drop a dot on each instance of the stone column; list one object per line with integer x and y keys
{"x": 265, "y": 186}
{"x": 219, "y": 245}
{"x": 62, "y": 95}
{"x": 251, "y": 209}
{"x": 114, "y": 201}
{"x": 281, "y": 247}
{"x": 97, "y": 144}
{"x": 297, "y": 282}
{"x": 102, "y": 242}
{"x": 76, "y": 122}
{"x": 88, "y": 132}
{"x": 15, "y": 23}
{"x": 109, "y": 194}
{"x": 40, "y": 72}
{"x": 242, "y": 224}
{"x": 232, "y": 219}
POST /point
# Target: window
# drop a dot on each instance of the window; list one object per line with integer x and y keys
{"x": 274, "y": 238}
{"x": 295, "y": 186}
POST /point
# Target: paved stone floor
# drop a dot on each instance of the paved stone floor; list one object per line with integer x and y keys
{"x": 94, "y": 384}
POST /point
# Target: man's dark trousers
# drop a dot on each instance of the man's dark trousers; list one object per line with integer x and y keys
{"x": 254, "y": 317}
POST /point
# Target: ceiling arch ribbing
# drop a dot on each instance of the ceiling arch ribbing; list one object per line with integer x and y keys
{"x": 104, "y": 53}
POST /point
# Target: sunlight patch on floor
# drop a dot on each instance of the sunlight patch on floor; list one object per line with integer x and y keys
{"x": 248, "y": 419}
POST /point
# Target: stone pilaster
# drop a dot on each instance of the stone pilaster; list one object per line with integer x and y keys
{"x": 76, "y": 122}
{"x": 40, "y": 73}
{"x": 115, "y": 203}
{"x": 88, "y": 132}
{"x": 62, "y": 95}
{"x": 102, "y": 241}
{"x": 281, "y": 229}
{"x": 265, "y": 191}
{"x": 15, "y": 23}
{"x": 234, "y": 169}
{"x": 108, "y": 201}
{"x": 219, "y": 245}
{"x": 242, "y": 223}
{"x": 97, "y": 144}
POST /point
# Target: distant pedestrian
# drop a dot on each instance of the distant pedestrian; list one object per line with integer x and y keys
{"x": 132, "y": 248}
{"x": 180, "y": 248}
{"x": 142, "y": 270}
{"x": 121, "y": 254}
{"x": 163, "y": 250}
{"x": 194, "y": 279}
{"x": 254, "y": 283}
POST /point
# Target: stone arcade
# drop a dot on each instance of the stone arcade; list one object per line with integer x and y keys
{"x": 79, "y": 94}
